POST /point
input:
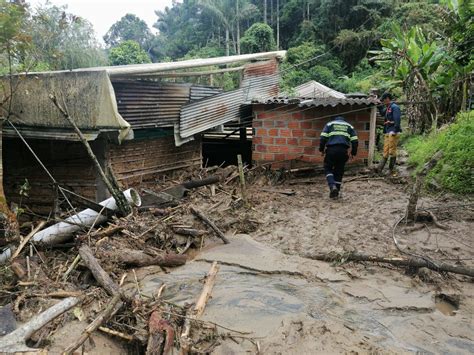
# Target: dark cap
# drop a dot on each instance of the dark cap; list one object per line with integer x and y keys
{"x": 386, "y": 95}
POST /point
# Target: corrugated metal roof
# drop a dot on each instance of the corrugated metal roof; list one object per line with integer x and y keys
{"x": 147, "y": 104}
{"x": 138, "y": 69}
{"x": 308, "y": 102}
{"x": 313, "y": 89}
{"x": 260, "y": 80}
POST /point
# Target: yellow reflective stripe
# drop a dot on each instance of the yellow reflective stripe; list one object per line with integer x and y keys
{"x": 354, "y": 138}
{"x": 323, "y": 134}
{"x": 339, "y": 133}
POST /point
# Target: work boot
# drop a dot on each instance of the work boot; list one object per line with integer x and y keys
{"x": 391, "y": 165}
{"x": 334, "y": 193}
{"x": 381, "y": 165}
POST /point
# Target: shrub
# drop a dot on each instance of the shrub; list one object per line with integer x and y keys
{"x": 455, "y": 171}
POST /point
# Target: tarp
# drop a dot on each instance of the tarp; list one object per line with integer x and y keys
{"x": 88, "y": 96}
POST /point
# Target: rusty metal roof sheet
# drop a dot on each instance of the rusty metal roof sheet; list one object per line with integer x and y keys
{"x": 148, "y": 104}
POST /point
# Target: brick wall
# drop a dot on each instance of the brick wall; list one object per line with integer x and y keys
{"x": 289, "y": 136}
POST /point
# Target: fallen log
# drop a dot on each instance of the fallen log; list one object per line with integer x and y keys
{"x": 198, "y": 308}
{"x": 189, "y": 231}
{"x": 27, "y": 239}
{"x": 97, "y": 271}
{"x": 157, "y": 326}
{"x": 211, "y": 224}
{"x": 15, "y": 341}
{"x": 139, "y": 258}
{"x": 415, "y": 262}
{"x": 112, "y": 307}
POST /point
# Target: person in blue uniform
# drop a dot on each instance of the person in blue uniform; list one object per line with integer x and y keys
{"x": 391, "y": 129}
{"x": 336, "y": 139}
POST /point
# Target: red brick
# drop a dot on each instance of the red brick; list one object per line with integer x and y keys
{"x": 268, "y": 157}
{"x": 306, "y": 124}
{"x": 285, "y": 132}
{"x": 319, "y": 124}
{"x": 296, "y": 150}
{"x": 268, "y": 123}
{"x": 363, "y": 136}
{"x": 297, "y": 115}
{"x": 256, "y": 123}
{"x": 257, "y": 140}
{"x": 261, "y": 148}
{"x": 256, "y": 156}
{"x": 292, "y": 141}
{"x": 261, "y": 132}
{"x": 297, "y": 133}
{"x": 310, "y": 133}
{"x": 306, "y": 142}
{"x": 262, "y": 115}
{"x": 293, "y": 124}
{"x": 274, "y": 149}
{"x": 280, "y": 141}
{"x": 280, "y": 156}
{"x": 284, "y": 149}
{"x": 310, "y": 150}
{"x": 267, "y": 140}
{"x": 273, "y": 132}
{"x": 280, "y": 124}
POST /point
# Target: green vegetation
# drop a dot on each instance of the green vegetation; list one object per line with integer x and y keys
{"x": 455, "y": 171}
{"x": 128, "y": 52}
{"x": 258, "y": 38}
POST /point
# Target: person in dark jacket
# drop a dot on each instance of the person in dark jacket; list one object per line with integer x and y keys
{"x": 336, "y": 138}
{"x": 391, "y": 129}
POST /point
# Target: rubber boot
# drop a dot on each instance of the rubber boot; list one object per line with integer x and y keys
{"x": 381, "y": 165}
{"x": 391, "y": 165}
{"x": 334, "y": 193}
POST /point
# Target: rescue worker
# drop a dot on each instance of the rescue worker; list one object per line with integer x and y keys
{"x": 391, "y": 130}
{"x": 336, "y": 138}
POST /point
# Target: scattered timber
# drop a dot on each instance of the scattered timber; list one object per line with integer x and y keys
{"x": 210, "y": 223}
{"x": 415, "y": 262}
{"x": 189, "y": 231}
{"x": 112, "y": 307}
{"x": 199, "y": 307}
{"x": 16, "y": 340}
{"x": 161, "y": 335}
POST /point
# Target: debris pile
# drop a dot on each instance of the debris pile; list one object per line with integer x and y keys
{"x": 87, "y": 272}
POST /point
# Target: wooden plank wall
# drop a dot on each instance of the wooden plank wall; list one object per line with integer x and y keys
{"x": 137, "y": 161}
{"x": 67, "y": 161}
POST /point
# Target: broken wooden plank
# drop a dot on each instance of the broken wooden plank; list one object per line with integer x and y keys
{"x": 27, "y": 239}
{"x": 99, "y": 273}
{"x": 210, "y": 223}
{"x": 112, "y": 307}
{"x": 198, "y": 308}
{"x": 16, "y": 340}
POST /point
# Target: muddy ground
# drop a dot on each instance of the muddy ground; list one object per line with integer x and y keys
{"x": 269, "y": 297}
{"x": 287, "y": 304}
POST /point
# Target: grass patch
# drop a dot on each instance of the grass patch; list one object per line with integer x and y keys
{"x": 455, "y": 171}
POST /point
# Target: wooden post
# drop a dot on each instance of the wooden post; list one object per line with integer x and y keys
{"x": 122, "y": 204}
{"x": 373, "y": 124}
{"x": 242, "y": 177}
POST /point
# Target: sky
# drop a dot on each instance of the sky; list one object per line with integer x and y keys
{"x": 104, "y": 13}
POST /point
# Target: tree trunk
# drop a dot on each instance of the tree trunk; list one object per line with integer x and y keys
{"x": 264, "y": 11}
{"x": 278, "y": 24}
{"x": 238, "y": 26}
{"x": 7, "y": 217}
{"x": 227, "y": 49}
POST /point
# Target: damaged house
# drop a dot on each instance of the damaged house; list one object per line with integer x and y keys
{"x": 286, "y": 129}
{"x": 139, "y": 123}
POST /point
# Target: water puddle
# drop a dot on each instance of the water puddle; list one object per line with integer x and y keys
{"x": 446, "y": 304}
